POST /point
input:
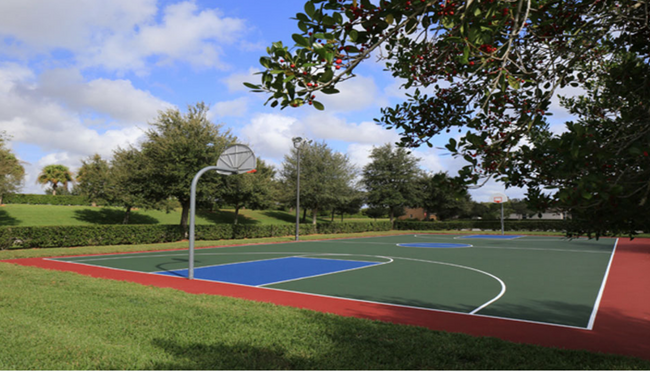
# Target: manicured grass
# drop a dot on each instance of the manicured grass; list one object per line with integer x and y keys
{"x": 62, "y": 320}
{"x": 45, "y": 215}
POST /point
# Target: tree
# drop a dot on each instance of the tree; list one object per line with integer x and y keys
{"x": 520, "y": 207}
{"x": 93, "y": 178}
{"x": 324, "y": 174}
{"x": 349, "y": 201}
{"x": 176, "y": 148}
{"x": 55, "y": 176}
{"x": 12, "y": 172}
{"x": 252, "y": 190}
{"x": 490, "y": 69}
{"x": 391, "y": 180}
{"x": 443, "y": 198}
{"x": 129, "y": 184}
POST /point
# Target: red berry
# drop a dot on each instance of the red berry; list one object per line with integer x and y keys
{"x": 339, "y": 61}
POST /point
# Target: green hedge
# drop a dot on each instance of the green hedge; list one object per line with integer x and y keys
{"x": 495, "y": 225}
{"x": 30, "y": 199}
{"x": 70, "y": 236}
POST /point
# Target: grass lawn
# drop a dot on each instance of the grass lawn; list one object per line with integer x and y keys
{"x": 42, "y": 215}
{"x": 62, "y": 320}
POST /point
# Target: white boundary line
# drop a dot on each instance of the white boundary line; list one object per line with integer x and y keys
{"x": 541, "y": 249}
{"x": 496, "y": 237}
{"x": 465, "y": 245}
{"x": 592, "y": 318}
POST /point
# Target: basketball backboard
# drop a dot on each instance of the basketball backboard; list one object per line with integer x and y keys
{"x": 236, "y": 159}
{"x": 498, "y": 198}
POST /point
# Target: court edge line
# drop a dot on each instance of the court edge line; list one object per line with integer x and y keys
{"x": 421, "y": 308}
{"x": 434, "y": 247}
{"x": 540, "y": 249}
{"x": 374, "y": 264}
{"x": 336, "y": 297}
{"x": 497, "y": 247}
{"x": 594, "y": 311}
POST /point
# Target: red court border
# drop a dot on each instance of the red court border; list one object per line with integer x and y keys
{"x": 622, "y": 324}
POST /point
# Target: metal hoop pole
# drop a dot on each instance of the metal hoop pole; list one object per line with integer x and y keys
{"x": 298, "y": 197}
{"x": 190, "y": 271}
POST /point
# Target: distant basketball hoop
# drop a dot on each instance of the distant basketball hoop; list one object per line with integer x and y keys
{"x": 500, "y": 198}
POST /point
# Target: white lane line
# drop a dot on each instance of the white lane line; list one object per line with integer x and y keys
{"x": 592, "y": 318}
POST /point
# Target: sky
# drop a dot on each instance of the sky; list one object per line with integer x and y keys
{"x": 80, "y": 77}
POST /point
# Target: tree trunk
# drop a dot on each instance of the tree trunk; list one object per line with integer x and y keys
{"x": 185, "y": 204}
{"x": 0, "y": 198}
{"x": 391, "y": 214}
{"x": 236, "y": 215}
{"x": 127, "y": 215}
{"x": 333, "y": 213}
{"x": 314, "y": 216}
{"x": 304, "y": 215}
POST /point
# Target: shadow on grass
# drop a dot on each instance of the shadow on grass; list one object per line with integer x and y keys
{"x": 280, "y": 215}
{"x": 112, "y": 216}
{"x": 345, "y": 343}
{"x": 7, "y": 220}
{"x": 225, "y": 217}
{"x": 201, "y": 356}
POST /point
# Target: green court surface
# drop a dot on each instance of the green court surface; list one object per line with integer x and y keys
{"x": 543, "y": 279}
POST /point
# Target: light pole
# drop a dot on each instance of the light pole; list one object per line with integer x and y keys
{"x": 297, "y": 144}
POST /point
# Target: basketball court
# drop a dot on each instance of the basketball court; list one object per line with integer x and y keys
{"x": 539, "y": 289}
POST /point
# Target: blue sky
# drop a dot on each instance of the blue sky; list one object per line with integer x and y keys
{"x": 79, "y": 77}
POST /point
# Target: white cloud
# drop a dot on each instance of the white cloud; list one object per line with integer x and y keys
{"x": 270, "y": 134}
{"x": 235, "y": 82}
{"x": 324, "y": 125}
{"x": 359, "y": 154}
{"x": 234, "y": 108}
{"x": 118, "y": 99}
{"x": 185, "y": 34}
{"x": 355, "y": 94}
{"x": 119, "y": 35}
{"x": 41, "y": 26}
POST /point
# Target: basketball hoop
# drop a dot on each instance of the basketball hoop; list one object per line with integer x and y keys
{"x": 236, "y": 159}
{"x": 498, "y": 198}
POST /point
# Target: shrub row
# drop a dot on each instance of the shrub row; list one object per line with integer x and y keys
{"x": 31, "y": 199}
{"x": 70, "y": 236}
{"x": 495, "y": 225}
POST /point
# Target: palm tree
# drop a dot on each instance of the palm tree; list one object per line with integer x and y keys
{"x": 55, "y": 175}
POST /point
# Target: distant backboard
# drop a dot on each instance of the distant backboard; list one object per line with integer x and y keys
{"x": 498, "y": 198}
{"x": 236, "y": 159}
